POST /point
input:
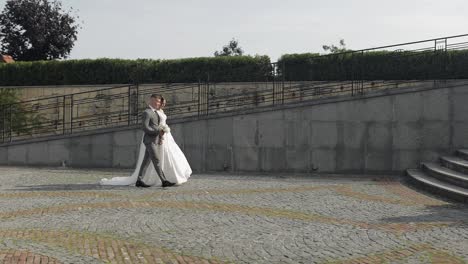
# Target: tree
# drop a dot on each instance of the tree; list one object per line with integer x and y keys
{"x": 16, "y": 118}
{"x": 37, "y": 30}
{"x": 334, "y": 49}
{"x": 232, "y": 49}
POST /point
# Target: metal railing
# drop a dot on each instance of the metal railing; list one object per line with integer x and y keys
{"x": 434, "y": 56}
{"x": 121, "y": 106}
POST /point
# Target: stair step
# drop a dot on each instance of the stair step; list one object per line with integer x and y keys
{"x": 455, "y": 163}
{"x": 436, "y": 186}
{"x": 445, "y": 174}
{"x": 462, "y": 153}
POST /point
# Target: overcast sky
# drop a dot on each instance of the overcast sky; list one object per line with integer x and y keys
{"x": 166, "y": 29}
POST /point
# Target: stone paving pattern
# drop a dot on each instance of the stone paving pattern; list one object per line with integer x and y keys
{"x": 50, "y": 215}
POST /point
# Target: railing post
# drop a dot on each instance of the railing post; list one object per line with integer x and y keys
{"x": 63, "y": 115}
{"x": 282, "y": 86}
{"x": 352, "y": 75}
{"x": 129, "y": 105}
{"x": 207, "y": 93}
{"x": 199, "y": 97}
{"x": 207, "y": 97}
{"x": 132, "y": 103}
{"x": 3, "y": 123}
{"x": 71, "y": 114}
{"x": 361, "y": 63}
{"x": 442, "y": 59}
{"x": 273, "y": 91}
{"x": 10, "y": 125}
{"x": 445, "y": 58}
{"x": 137, "y": 101}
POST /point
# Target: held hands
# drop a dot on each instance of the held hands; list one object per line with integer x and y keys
{"x": 161, "y": 137}
{"x": 162, "y": 130}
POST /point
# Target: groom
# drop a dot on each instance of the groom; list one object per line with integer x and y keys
{"x": 150, "y": 127}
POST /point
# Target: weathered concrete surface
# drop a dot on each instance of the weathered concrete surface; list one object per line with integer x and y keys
{"x": 386, "y": 131}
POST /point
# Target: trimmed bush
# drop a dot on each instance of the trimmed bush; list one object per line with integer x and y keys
{"x": 376, "y": 65}
{"x": 112, "y": 71}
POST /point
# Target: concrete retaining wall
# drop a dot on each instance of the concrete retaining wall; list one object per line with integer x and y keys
{"x": 383, "y": 131}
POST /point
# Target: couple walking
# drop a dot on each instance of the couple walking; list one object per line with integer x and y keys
{"x": 160, "y": 161}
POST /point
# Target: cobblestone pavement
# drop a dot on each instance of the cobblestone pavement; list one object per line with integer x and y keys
{"x": 61, "y": 216}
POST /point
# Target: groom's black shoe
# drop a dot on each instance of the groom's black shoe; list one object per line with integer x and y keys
{"x": 167, "y": 184}
{"x": 141, "y": 184}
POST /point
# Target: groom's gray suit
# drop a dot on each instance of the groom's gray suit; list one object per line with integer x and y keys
{"x": 150, "y": 127}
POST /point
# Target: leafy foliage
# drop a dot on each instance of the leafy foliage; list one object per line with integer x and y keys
{"x": 37, "y": 30}
{"x": 336, "y": 49}
{"x": 231, "y": 49}
{"x": 15, "y": 117}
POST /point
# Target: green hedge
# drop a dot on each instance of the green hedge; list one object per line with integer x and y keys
{"x": 378, "y": 65}
{"x": 112, "y": 71}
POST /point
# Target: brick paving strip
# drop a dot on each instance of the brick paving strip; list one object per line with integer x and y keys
{"x": 434, "y": 256}
{"x": 25, "y": 257}
{"x": 102, "y": 247}
{"x": 114, "y": 250}
{"x": 58, "y": 194}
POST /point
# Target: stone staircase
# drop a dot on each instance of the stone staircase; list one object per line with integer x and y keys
{"x": 448, "y": 178}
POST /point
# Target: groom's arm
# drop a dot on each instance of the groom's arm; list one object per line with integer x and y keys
{"x": 146, "y": 126}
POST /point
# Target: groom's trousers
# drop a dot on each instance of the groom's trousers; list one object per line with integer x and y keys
{"x": 150, "y": 156}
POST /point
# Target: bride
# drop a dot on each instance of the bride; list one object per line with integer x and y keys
{"x": 173, "y": 163}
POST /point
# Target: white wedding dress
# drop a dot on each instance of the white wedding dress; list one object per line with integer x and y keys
{"x": 172, "y": 160}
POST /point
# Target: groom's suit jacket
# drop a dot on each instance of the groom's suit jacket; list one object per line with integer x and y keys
{"x": 150, "y": 126}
